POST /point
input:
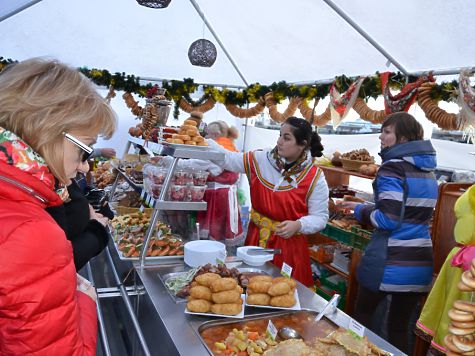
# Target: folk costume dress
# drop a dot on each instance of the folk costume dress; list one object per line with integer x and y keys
{"x": 299, "y": 192}
{"x": 221, "y": 221}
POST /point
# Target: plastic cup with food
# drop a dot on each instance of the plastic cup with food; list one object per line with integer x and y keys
{"x": 200, "y": 177}
{"x": 178, "y": 192}
{"x": 182, "y": 177}
{"x": 156, "y": 190}
{"x": 197, "y": 192}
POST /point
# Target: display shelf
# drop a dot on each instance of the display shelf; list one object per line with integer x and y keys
{"x": 178, "y": 151}
{"x": 172, "y": 205}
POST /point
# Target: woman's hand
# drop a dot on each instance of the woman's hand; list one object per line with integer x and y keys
{"x": 103, "y": 220}
{"x": 351, "y": 205}
{"x": 83, "y": 285}
{"x": 288, "y": 228}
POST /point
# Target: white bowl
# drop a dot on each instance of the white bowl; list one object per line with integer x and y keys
{"x": 253, "y": 260}
{"x": 201, "y": 252}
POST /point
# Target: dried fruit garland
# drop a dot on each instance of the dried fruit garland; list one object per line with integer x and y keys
{"x": 432, "y": 111}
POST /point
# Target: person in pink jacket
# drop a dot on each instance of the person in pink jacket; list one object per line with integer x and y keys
{"x": 50, "y": 115}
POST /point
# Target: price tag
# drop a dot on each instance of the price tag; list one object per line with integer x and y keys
{"x": 142, "y": 208}
{"x": 152, "y": 202}
{"x": 271, "y": 331}
{"x": 356, "y": 328}
{"x": 147, "y": 201}
{"x": 286, "y": 270}
{"x": 142, "y": 194}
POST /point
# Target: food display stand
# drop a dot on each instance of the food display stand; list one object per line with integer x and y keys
{"x": 138, "y": 315}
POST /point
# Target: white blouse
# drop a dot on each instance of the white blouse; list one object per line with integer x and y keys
{"x": 317, "y": 217}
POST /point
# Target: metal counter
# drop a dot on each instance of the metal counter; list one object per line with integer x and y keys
{"x": 169, "y": 331}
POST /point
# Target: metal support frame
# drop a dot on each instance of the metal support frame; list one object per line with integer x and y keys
{"x": 18, "y": 9}
{"x": 363, "y": 33}
{"x": 100, "y": 318}
{"x": 128, "y": 305}
{"x": 215, "y": 35}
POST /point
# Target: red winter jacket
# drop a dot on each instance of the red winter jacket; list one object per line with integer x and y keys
{"x": 41, "y": 312}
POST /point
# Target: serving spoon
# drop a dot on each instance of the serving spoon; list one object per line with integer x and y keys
{"x": 287, "y": 332}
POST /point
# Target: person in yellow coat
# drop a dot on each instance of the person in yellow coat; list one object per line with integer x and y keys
{"x": 433, "y": 322}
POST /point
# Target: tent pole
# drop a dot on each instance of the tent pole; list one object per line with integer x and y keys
{"x": 365, "y": 35}
{"x": 18, "y": 9}
{"x": 210, "y": 28}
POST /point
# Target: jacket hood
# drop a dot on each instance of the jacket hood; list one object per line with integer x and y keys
{"x": 420, "y": 154}
{"x": 24, "y": 176}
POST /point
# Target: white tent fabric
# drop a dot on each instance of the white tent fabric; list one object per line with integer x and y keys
{"x": 270, "y": 40}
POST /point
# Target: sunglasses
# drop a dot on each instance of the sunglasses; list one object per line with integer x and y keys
{"x": 86, "y": 150}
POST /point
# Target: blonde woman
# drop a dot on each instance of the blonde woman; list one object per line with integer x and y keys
{"x": 50, "y": 116}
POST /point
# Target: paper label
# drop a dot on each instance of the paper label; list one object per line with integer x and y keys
{"x": 356, "y": 328}
{"x": 152, "y": 202}
{"x": 286, "y": 270}
{"x": 142, "y": 208}
{"x": 147, "y": 200}
{"x": 271, "y": 331}
{"x": 142, "y": 194}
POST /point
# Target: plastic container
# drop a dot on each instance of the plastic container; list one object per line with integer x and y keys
{"x": 197, "y": 193}
{"x": 178, "y": 192}
{"x": 200, "y": 177}
{"x": 158, "y": 175}
{"x": 155, "y": 190}
{"x": 182, "y": 177}
{"x": 200, "y": 252}
{"x": 253, "y": 260}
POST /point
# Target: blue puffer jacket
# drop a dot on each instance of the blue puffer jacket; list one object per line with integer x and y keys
{"x": 399, "y": 256}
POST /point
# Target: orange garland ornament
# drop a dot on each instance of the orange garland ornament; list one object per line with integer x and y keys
{"x": 435, "y": 114}
{"x": 318, "y": 120}
{"x": 366, "y": 113}
{"x": 245, "y": 113}
{"x": 275, "y": 114}
{"x": 187, "y": 107}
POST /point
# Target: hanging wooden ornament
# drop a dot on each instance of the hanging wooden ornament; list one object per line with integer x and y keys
{"x": 154, "y": 4}
{"x": 202, "y": 53}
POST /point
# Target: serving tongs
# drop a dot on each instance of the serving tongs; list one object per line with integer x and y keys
{"x": 263, "y": 251}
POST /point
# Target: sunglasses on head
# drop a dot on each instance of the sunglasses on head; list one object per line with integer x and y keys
{"x": 86, "y": 150}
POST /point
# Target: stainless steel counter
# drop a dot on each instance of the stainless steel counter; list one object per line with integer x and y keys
{"x": 166, "y": 326}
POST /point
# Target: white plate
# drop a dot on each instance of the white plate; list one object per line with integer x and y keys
{"x": 179, "y": 145}
{"x": 237, "y": 316}
{"x": 149, "y": 258}
{"x": 295, "y": 307}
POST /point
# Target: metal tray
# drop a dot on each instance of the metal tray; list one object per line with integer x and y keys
{"x": 164, "y": 277}
{"x": 324, "y": 326}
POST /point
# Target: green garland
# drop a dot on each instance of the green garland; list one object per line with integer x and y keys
{"x": 371, "y": 87}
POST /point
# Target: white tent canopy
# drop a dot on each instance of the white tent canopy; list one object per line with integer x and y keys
{"x": 269, "y": 40}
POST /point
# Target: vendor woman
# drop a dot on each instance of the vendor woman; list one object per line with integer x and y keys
{"x": 289, "y": 194}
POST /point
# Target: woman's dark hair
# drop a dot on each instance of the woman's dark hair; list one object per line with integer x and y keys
{"x": 405, "y": 125}
{"x": 305, "y": 136}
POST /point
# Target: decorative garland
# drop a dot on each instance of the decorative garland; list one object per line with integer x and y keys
{"x": 429, "y": 94}
{"x": 275, "y": 114}
{"x": 435, "y": 114}
{"x": 204, "y": 107}
{"x": 246, "y": 113}
{"x": 309, "y": 114}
